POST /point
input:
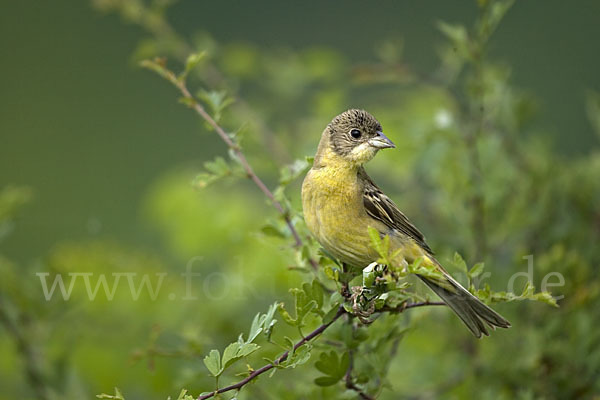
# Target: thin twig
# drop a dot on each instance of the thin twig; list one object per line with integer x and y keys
{"x": 348, "y": 377}
{"x": 196, "y": 106}
{"x": 341, "y": 311}
{"x": 154, "y": 21}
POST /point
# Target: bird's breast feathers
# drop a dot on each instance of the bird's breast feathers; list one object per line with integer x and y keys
{"x": 332, "y": 200}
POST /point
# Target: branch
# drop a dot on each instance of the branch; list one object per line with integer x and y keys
{"x": 154, "y": 22}
{"x": 341, "y": 311}
{"x": 196, "y": 106}
{"x": 350, "y": 382}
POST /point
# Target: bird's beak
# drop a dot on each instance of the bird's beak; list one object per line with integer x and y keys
{"x": 381, "y": 141}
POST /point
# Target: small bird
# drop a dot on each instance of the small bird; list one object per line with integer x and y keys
{"x": 340, "y": 203}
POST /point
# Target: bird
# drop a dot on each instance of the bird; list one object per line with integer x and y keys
{"x": 341, "y": 203}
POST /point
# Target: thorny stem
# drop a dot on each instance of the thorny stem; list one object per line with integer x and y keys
{"x": 341, "y": 311}
{"x": 196, "y": 106}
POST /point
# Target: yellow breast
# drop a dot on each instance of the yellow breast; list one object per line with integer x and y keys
{"x": 332, "y": 199}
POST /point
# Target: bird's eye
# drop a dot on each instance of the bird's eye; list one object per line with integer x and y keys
{"x": 355, "y": 133}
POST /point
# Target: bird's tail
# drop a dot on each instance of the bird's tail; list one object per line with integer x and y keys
{"x": 469, "y": 308}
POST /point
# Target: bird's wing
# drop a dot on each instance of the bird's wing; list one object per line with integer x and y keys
{"x": 383, "y": 209}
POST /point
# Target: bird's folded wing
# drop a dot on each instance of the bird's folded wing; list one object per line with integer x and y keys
{"x": 382, "y": 208}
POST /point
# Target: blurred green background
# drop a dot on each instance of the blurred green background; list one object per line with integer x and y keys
{"x": 109, "y": 156}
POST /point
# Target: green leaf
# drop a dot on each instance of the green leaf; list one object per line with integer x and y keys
{"x": 289, "y": 343}
{"x": 290, "y": 172}
{"x": 230, "y": 354}
{"x": 247, "y": 349}
{"x": 459, "y": 262}
{"x": 326, "y": 381}
{"x": 256, "y": 328}
{"x": 328, "y": 317}
{"x": 216, "y": 100}
{"x": 476, "y": 270}
{"x": 381, "y": 246}
{"x": 329, "y": 256}
{"x": 490, "y": 20}
{"x": 327, "y": 362}
{"x": 192, "y": 62}
{"x": 116, "y": 396}
{"x": 215, "y": 170}
{"x": 184, "y": 396}
{"x": 236, "y": 351}
{"x": 213, "y": 363}
{"x": 332, "y": 366}
{"x": 314, "y": 292}
{"x": 272, "y": 231}
{"x": 308, "y": 299}
{"x": 458, "y": 36}
{"x": 269, "y": 321}
{"x": 425, "y": 269}
{"x": 544, "y": 297}
{"x": 298, "y": 357}
{"x": 286, "y": 315}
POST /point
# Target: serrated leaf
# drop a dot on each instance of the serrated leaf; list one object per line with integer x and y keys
{"x": 216, "y": 169}
{"x": 298, "y": 357}
{"x": 213, "y": 363}
{"x": 476, "y": 270}
{"x": 230, "y": 354}
{"x": 247, "y": 349}
{"x": 216, "y": 100}
{"x": 314, "y": 292}
{"x": 236, "y": 351}
{"x": 545, "y": 297}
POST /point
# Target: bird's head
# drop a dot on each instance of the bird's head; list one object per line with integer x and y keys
{"x": 356, "y": 136}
